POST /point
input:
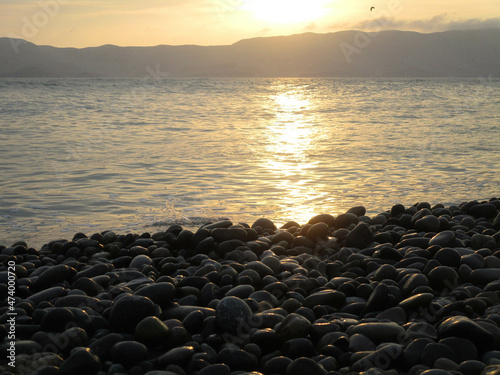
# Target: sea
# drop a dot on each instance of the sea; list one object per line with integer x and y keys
{"x": 140, "y": 155}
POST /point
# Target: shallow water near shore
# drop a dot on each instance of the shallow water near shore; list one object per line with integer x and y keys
{"x": 86, "y": 155}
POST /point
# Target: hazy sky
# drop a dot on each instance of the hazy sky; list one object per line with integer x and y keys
{"x": 84, "y": 23}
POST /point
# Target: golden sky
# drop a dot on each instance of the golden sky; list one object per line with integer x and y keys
{"x": 86, "y": 23}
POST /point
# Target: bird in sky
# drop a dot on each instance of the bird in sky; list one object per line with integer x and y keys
{"x": 372, "y": 8}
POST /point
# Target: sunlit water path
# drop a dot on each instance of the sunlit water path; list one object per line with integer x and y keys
{"x": 90, "y": 155}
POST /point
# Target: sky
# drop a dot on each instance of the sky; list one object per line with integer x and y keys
{"x": 88, "y": 23}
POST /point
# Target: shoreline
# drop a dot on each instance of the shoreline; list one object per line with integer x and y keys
{"x": 411, "y": 290}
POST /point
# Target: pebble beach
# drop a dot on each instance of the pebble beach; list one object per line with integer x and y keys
{"x": 412, "y": 290}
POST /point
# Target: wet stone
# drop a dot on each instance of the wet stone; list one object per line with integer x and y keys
{"x": 81, "y": 362}
{"x": 360, "y": 237}
{"x": 303, "y": 365}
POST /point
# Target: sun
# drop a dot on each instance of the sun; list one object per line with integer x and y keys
{"x": 286, "y": 11}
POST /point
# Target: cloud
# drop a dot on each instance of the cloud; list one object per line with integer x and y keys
{"x": 440, "y": 22}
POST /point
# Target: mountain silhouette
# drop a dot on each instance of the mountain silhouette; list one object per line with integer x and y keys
{"x": 459, "y": 53}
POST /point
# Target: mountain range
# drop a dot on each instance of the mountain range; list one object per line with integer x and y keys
{"x": 458, "y": 53}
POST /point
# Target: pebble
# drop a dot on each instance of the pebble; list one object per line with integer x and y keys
{"x": 360, "y": 237}
{"x": 233, "y": 315}
{"x": 129, "y": 353}
{"x": 128, "y": 311}
{"x": 411, "y": 290}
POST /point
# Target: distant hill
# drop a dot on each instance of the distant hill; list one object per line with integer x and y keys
{"x": 468, "y": 53}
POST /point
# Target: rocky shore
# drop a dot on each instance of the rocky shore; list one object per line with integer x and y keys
{"x": 414, "y": 290}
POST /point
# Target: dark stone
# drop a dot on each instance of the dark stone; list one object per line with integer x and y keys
{"x": 428, "y": 223}
{"x": 485, "y": 276}
{"x": 151, "y": 331}
{"x": 323, "y": 218}
{"x": 318, "y": 230}
{"x": 264, "y": 224}
{"x": 47, "y": 295}
{"x": 300, "y": 347}
{"x": 303, "y": 365}
{"x": 463, "y": 327}
{"x": 102, "y": 346}
{"x": 345, "y": 220}
{"x": 238, "y": 359}
{"x": 226, "y": 234}
{"x": 215, "y": 369}
{"x": 443, "y": 239}
{"x": 294, "y": 326}
{"x": 433, "y": 351}
{"x": 160, "y": 293}
{"x": 443, "y": 277}
{"x": 328, "y": 297}
{"x": 81, "y": 362}
{"x": 394, "y": 314}
{"x": 129, "y": 353}
{"x": 471, "y": 367}
{"x": 378, "y": 298}
{"x": 416, "y": 301}
{"x": 179, "y": 356}
{"x": 128, "y": 311}
{"x": 277, "y": 365}
{"x": 357, "y": 210}
{"x": 233, "y": 315}
{"x": 378, "y": 332}
{"x": 360, "y": 237}
{"x": 464, "y": 349}
{"x": 448, "y": 257}
{"x": 57, "y": 319}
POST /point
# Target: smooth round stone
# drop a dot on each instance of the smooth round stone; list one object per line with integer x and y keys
{"x": 233, "y": 315}
{"x": 394, "y": 314}
{"x": 345, "y": 220}
{"x": 378, "y": 332}
{"x": 322, "y": 218}
{"x": 471, "y": 367}
{"x": 294, "y": 326}
{"x": 264, "y": 224}
{"x": 277, "y": 365}
{"x": 484, "y": 276}
{"x": 436, "y": 372}
{"x": 129, "y": 310}
{"x": 102, "y": 346}
{"x": 29, "y": 363}
{"x": 360, "y": 343}
{"x": 327, "y": 297}
{"x": 47, "y": 295}
{"x": 360, "y": 237}
{"x": 300, "y": 347}
{"x": 378, "y": 298}
{"x": 445, "y": 238}
{"x": 262, "y": 269}
{"x": 225, "y": 234}
{"x": 428, "y": 223}
{"x": 160, "y": 293}
{"x": 53, "y": 275}
{"x": 318, "y": 230}
{"x": 179, "y": 356}
{"x": 57, "y": 319}
{"x": 443, "y": 277}
{"x": 89, "y": 286}
{"x": 240, "y": 291}
{"x": 81, "y": 362}
{"x": 129, "y": 353}
{"x": 386, "y": 271}
{"x": 463, "y": 327}
{"x": 464, "y": 349}
{"x": 140, "y": 261}
{"x": 433, "y": 352}
{"x": 215, "y": 369}
{"x": 238, "y": 359}
{"x": 416, "y": 301}
{"x": 448, "y": 257}
{"x": 151, "y": 330}
{"x": 193, "y": 322}
{"x": 303, "y": 365}
{"x": 474, "y": 261}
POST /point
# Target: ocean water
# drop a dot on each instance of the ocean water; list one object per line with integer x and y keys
{"x": 87, "y": 155}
